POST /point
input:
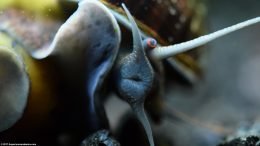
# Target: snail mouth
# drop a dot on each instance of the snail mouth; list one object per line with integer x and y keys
{"x": 135, "y": 79}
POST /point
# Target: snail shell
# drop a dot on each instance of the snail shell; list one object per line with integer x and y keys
{"x": 14, "y": 88}
{"x": 28, "y": 94}
{"x": 80, "y": 58}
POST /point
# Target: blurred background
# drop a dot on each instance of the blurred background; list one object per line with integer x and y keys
{"x": 229, "y": 93}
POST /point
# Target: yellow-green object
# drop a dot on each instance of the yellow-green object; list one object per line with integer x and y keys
{"x": 28, "y": 91}
{"x": 49, "y": 8}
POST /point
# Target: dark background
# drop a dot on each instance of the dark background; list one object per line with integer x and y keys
{"x": 229, "y": 94}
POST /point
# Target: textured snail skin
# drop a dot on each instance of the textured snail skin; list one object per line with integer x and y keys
{"x": 134, "y": 77}
{"x": 135, "y": 74}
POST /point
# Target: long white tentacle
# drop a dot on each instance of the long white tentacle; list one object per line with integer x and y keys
{"x": 168, "y": 51}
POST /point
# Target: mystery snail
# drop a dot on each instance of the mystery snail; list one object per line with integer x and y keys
{"x": 60, "y": 85}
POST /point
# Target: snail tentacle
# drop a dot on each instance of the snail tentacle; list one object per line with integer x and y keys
{"x": 138, "y": 109}
{"x": 168, "y": 51}
{"x": 137, "y": 40}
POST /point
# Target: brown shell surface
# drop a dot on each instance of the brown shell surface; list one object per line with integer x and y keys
{"x": 167, "y": 18}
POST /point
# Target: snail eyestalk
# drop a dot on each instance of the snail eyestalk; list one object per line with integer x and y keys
{"x": 168, "y": 51}
{"x": 149, "y": 43}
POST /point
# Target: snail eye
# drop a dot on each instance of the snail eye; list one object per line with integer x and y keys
{"x": 150, "y": 43}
